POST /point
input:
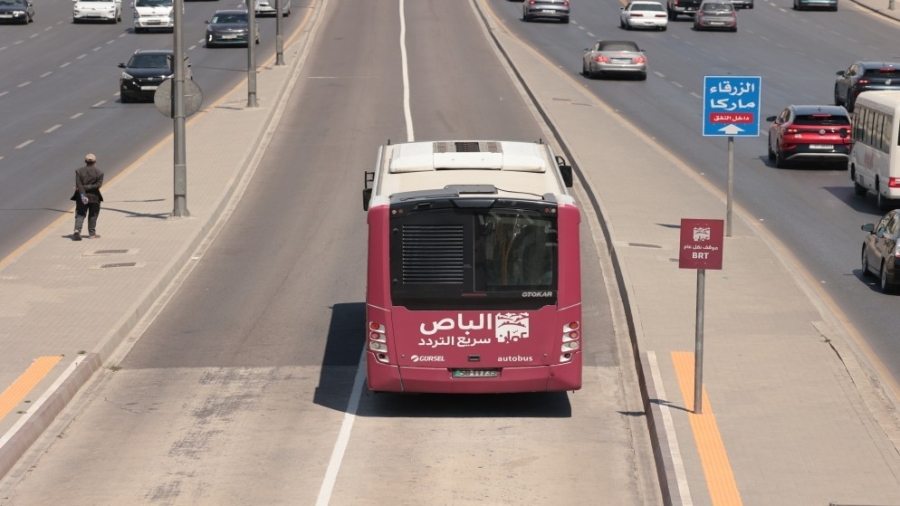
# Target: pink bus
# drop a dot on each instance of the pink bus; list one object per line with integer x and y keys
{"x": 474, "y": 272}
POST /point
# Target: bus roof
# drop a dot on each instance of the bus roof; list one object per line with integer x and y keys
{"x": 522, "y": 170}
{"x": 888, "y": 100}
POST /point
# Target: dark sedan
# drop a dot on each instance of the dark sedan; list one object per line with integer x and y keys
{"x": 17, "y": 11}
{"x": 145, "y": 71}
{"x": 229, "y": 28}
{"x": 864, "y": 76}
{"x": 881, "y": 251}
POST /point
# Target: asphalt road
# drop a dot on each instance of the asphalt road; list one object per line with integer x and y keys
{"x": 811, "y": 209}
{"x": 237, "y": 393}
{"x": 59, "y": 100}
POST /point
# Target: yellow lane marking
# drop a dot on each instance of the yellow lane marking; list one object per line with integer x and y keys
{"x": 14, "y": 394}
{"x": 719, "y": 478}
{"x": 43, "y": 233}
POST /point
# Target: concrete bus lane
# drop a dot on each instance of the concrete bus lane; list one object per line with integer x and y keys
{"x": 238, "y": 390}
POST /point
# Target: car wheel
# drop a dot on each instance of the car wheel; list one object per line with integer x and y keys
{"x": 780, "y": 162}
{"x": 662, "y": 28}
{"x": 849, "y": 103}
{"x": 621, "y": 23}
{"x": 771, "y": 153}
{"x": 672, "y": 15}
{"x": 880, "y": 202}
{"x": 837, "y": 96}
{"x": 858, "y": 189}
{"x": 886, "y": 286}
{"x": 865, "y": 263}
{"x": 123, "y": 97}
{"x": 584, "y": 69}
{"x": 642, "y": 76}
{"x": 834, "y": 9}
{"x": 565, "y": 20}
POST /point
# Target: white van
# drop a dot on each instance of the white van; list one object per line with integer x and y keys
{"x": 874, "y": 163}
{"x": 153, "y": 15}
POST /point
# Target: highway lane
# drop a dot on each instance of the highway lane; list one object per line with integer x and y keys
{"x": 812, "y": 210}
{"x": 237, "y": 392}
{"x": 60, "y": 85}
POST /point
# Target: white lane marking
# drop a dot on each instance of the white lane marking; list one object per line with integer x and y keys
{"x": 124, "y": 34}
{"x": 192, "y": 48}
{"x": 64, "y": 65}
{"x": 669, "y": 427}
{"x": 76, "y": 116}
{"x": 16, "y": 43}
{"x": 98, "y": 104}
{"x": 591, "y": 35}
{"x": 110, "y": 41}
{"x": 1, "y": 157}
{"x": 96, "y": 48}
{"x": 4, "y": 47}
{"x": 677, "y": 84}
{"x": 54, "y": 127}
{"x": 340, "y": 446}
{"x": 80, "y": 57}
{"x": 696, "y": 95}
{"x": 33, "y": 35}
{"x": 3, "y": 93}
{"x": 20, "y": 146}
{"x": 660, "y": 74}
{"x": 764, "y": 38}
{"x": 343, "y": 439}
{"x": 45, "y": 74}
{"x": 48, "y": 28}
{"x": 26, "y": 83}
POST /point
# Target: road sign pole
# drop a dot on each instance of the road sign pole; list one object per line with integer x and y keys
{"x": 698, "y": 343}
{"x": 180, "y": 176}
{"x": 730, "y": 199}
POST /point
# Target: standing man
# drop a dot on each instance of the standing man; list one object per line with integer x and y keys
{"x": 87, "y": 197}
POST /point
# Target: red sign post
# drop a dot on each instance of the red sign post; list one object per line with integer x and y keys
{"x": 701, "y": 248}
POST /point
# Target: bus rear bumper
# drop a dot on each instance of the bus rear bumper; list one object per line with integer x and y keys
{"x": 391, "y": 378}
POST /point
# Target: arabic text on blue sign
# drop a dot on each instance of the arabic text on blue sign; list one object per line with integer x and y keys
{"x": 731, "y": 106}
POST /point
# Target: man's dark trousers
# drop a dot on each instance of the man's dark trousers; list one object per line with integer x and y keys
{"x": 91, "y": 209}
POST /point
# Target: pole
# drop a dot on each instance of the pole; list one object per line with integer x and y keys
{"x": 279, "y": 37}
{"x": 180, "y": 209}
{"x": 251, "y": 55}
{"x": 730, "y": 199}
{"x": 698, "y": 344}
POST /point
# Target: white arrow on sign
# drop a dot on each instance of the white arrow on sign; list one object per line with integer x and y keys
{"x": 731, "y": 129}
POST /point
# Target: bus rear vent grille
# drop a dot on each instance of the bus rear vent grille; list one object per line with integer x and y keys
{"x": 433, "y": 254}
{"x": 467, "y": 147}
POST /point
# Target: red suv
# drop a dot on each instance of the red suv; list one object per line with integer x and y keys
{"x": 809, "y": 132}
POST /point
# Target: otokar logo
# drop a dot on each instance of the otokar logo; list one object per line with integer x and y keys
{"x": 515, "y": 358}
{"x": 427, "y": 358}
{"x": 537, "y": 294}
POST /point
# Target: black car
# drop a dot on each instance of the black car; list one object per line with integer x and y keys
{"x": 881, "y": 251}
{"x": 229, "y": 27}
{"x": 145, "y": 71}
{"x": 863, "y": 76}
{"x": 17, "y": 11}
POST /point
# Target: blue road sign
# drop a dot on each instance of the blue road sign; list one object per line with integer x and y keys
{"x": 731, "y": 106}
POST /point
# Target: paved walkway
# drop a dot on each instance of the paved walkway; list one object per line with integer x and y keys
{"x": 790, "y": 417}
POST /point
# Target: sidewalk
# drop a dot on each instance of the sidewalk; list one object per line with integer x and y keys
{"x": 791, "y": 408}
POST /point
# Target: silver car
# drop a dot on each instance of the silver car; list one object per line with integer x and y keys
{"x": 545, "y": 9}
{"x": 614, "y": 57}
{"x": 267, "y": 7}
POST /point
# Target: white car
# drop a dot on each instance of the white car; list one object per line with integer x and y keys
{"x": 643, "y": 14}
{"x": 153, "y": 14}
{"x": 97, "y": 10}
{"x": 267, "y": 7}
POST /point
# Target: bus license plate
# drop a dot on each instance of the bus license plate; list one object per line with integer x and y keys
{"x": 476, "y": 373}
{"x": 820, "y": 146}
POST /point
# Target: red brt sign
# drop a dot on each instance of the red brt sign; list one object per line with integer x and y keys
{"x": 701, "y": 244}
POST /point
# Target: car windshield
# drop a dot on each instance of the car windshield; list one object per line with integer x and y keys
{"x": 647, "y": 7}
{"x": 153, "y": 3}
{"x": 618, "y": 46}
{"x": 149, "y": 61}
{"x": 718, "y": 8}
{"x": 10, "y": 3}
{"x": 230, "y": 18}
{"x": 821, "y": 119}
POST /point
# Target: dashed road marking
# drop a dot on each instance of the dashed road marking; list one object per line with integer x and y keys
{"x": 45, "y": 74}
{"x": 80, "y": 56}
{"x": 98, "y": 104}
{"x": 677, "y": 84}
{"x": 695, "y": 95}
{"x": 64, "y": 65}
{"x": 76, "y": 116}
{"x": 26, "y": 83}
{"x": 3, "y": 93}
{"x": 54, "y": 127}
{"x": 20, "y": 146}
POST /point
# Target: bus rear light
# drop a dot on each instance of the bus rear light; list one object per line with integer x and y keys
{"x": 377, "y": 327}
{"x": 376, "y": 346}
{"x": 382, "y": 358}
{"x": 565, "y": 357}
{"x": 570, "y": 346}
{"x": 375, "y": 336}
{"x": 571, "y": 326}
{"x": 570, "y": 336}
{"x": 894, "y": 182}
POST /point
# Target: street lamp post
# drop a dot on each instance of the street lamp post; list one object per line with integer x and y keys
{"x": 251, "y": 55}
{"x": 279, "y": 38}
{"x": 180, "y": 209}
